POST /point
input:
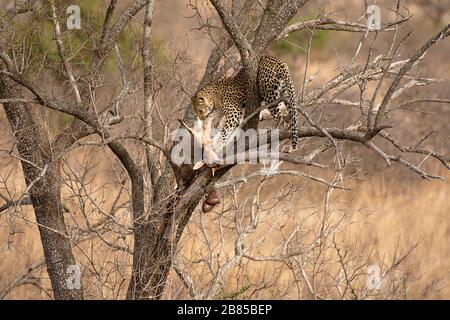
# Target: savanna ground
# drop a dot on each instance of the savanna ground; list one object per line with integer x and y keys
{"x": 388, "y": 212}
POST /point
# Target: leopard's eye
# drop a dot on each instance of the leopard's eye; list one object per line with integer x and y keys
{"x": 201, "y": 99}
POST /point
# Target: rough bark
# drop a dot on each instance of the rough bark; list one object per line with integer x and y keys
{"x": 42, "y": 178}
{"x": 156, "y": 238}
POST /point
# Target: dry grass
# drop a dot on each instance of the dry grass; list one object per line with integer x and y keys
{"x": 386, "y": 217}
{"x": 389, "y": 212}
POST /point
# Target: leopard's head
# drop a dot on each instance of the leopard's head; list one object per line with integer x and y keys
{"x": 203, "y": 104}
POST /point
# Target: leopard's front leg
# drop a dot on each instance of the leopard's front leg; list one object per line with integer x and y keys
{"x": 232, "y": 121}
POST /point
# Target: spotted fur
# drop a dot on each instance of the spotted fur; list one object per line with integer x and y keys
{"x": 274, "y": 80}
{"x": 227, "y": 96}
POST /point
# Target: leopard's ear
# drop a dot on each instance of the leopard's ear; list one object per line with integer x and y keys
{"x": 193, "y": 99}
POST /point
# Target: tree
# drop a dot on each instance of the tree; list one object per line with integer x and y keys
{"x": 163, "y": 196}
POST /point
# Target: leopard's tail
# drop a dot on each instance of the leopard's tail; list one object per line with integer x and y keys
{"x": 292, "y": 109}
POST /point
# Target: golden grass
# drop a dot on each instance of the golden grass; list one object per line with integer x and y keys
{"x": 391, "y": 214}
{"x": 387, "y": 215}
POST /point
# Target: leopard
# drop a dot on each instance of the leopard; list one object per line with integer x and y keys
{"x": 226, "y": 97}
{"x": 224, "y": 100}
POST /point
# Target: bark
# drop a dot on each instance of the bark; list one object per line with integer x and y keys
{"x": 157, "y": 237}
{"x": 33, "y": 146}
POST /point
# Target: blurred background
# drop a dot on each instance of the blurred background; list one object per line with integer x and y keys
{"x": 390, "y": 213}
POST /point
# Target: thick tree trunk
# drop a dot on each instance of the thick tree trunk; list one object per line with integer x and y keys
{"x": 42, "y": 178}
{"x": 153, "y": 249}
{"x": 151, "y": 266}
{"x": 157, "y": 237}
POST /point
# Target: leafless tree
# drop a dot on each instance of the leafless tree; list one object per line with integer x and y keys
{"x": 142, "y": 227}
